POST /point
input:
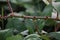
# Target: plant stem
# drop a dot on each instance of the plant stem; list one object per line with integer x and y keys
{"x": 10, "y": 6}
{"x": 2, "y": 19}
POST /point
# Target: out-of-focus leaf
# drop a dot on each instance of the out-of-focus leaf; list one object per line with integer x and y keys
{"x": 23, "y": 0}
{"x": 30, "y": 9}
{"x": 15, "y": 23}
{"x": 33, "y": 37}
{"x": 13, "y": 1}
{"x": 33, "y": 10}
{"x": 5, "y": 33}
{"x": 56, "y": 6}
{"x": 30, "y": 25}
{"x": 50, "y": 22}
{"x": 48, "y": 10}
{"x": 40, "y": 23}
{"x": 57, "y": 0}
{"x": 55, "y": 35}
{"x": 17, "y": 37}
{"x": 45, "y": 37}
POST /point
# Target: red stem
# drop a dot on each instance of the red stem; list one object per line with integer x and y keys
{"x": 10, "y": 6}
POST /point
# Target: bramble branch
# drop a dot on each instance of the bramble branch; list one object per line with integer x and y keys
{"x": 29, "y": 17}
{"x": 10, "y": 6}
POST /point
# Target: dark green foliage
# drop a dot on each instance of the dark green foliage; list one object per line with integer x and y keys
{"x": 4, "y": 24}
{"x": 39, "y": 4}
{"x": 42, "y": 5}
{"x": 17, "y": 37}
{"x": 5, "y": 33}
{"x": 49, "y": 25}
{"x": 6, "y": 10}
{"x": 34, "y": 26}
{"x": 14, "y": 23}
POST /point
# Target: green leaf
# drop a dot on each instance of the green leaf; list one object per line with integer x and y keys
{"x": 30, "y": 9}
{"x": 56, "y": 6}
{"x": 33, "y": 37}
{"x": 50, "y": 22}
{"x": 45, "y": 37}
{"x": 15, "y": 23}
{"x": 57, "y": 0}
{"x": 5, "y": 33}
{"x": 17, "y": 37}
{"x": 55, "y": 35}
{"x": 30, "y": 25}
{"x": 40, "y": 23}
{"x": 48, "y": 10}
{"x": 23, "y": 0}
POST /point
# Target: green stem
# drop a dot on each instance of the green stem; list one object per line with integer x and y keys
{"x": 2, "y": 12}
{"x": 2, "y": 18}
